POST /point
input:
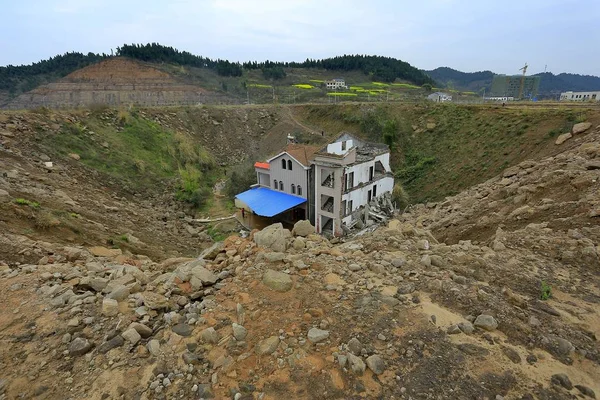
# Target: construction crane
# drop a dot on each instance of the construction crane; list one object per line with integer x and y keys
{"x": 524, "y": 69}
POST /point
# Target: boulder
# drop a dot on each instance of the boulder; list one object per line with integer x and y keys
{"x": 79, "y": 346}
{"x": 206, "y": 276}
{"x": 563, "y": 138}
{"x": 209, "y": 335}
{"x": 486, "y": 322}
{"x": 132, "y": 336}
{"x": 155, "y": 301}
{"x": 267, "y": 346}
{"x": 356, "y": 364}
{"x": 376, "y": 364}
{"x": 581, "y": 127}
{"x": 144, "y": 330}
{"x": 239, "y": 332}
{"x": 110, "y": 307}
{"x": 272, "y": 237}
{"x": 277, "y": 281}
{"x": 303, "y": 228}
{"x": 212, "y": 252}
{"x": 316, "y": 335}
{"x": 100, "y": 251}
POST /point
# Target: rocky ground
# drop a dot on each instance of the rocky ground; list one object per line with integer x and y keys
{"x": 491, "y": 294}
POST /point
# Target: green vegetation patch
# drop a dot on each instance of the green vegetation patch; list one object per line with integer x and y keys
{"x": 342, "y": 94}
{"x": 303, "y": 86}
{"x": 25, "y": 202}
{"x": 259, "y": 85}
{"x": 139, "y": 153}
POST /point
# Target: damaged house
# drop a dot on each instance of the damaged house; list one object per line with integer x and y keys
{"x": 330, "y": 186}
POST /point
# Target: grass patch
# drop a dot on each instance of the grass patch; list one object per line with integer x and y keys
{"x": 258, "y": 85}
{"x": 545, "y": 291}
{"x": 25, "y": 202}
{"x": 342, "y": 94}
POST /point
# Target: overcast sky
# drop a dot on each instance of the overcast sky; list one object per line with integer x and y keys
{"x": 469, "y": 35}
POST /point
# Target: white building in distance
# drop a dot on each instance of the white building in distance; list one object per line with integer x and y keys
{"x": 335, "y": 84}
{"x": 580, "y": 96}
{"x": 439, "y": 97}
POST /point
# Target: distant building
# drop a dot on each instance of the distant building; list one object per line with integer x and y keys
{"x": 439, "y": 97}
{"x": 580, "y": 96}
{"x": 510, "y": 86}
{"x": 331, "y": 186}
{"x": 335, "y": 84}
{"x": 498, "y": 98}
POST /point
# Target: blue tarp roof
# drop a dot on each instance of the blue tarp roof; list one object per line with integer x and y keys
{"x": 266, "y": 202}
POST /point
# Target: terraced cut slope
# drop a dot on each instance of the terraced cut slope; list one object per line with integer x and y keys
{"x": 113, "y": 82}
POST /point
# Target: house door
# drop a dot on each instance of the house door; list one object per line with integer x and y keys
{"x": 374, "y": 190}
{"x": 369, "y": 196}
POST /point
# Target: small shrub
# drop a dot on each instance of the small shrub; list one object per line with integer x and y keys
{"x": 25, "y": 202}
{"x": 545, "y": 291}
{"x": 45, "y": 220}
{"x": 400, "y": 196}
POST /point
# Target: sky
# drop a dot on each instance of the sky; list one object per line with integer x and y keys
{"x": 468, "y": 35}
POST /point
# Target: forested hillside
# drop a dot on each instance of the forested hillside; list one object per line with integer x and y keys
{"x": 19, "y": 79}
{"x": 550, "y": 84}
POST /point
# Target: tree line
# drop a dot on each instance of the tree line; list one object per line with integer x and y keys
{"x": 18, "y": 79}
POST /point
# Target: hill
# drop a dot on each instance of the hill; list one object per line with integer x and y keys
{"x": 550, "y": 84}
{"x": 17, "y": 80}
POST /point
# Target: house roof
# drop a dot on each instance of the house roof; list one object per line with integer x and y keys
{"x": 266, "y": 202}
{"x": 302, "y": 153}
{"x": 263, "y": 165}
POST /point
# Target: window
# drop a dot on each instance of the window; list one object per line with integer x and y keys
{"x": 290, "y": 165}
{"x": 293, "y": 189}
{"x": 299, "y": 190}
{"x": 349, "y": 207}
{"x": 282, "y": 163}
{"x": 281, "y": 185}
{"x": 275, "y": 184}
{"x": 374, "y": 190}
{"x": 343, "y": 145}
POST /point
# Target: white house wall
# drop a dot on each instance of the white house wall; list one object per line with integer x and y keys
{"x": 361, "y": 171}
{"x": 297, "y": 176}
{"x": 360, "y": 196}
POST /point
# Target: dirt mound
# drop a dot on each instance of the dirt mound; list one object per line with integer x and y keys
{"x": 117, "y": 81}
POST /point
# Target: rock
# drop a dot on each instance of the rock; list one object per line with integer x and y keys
{"x": 376, "y": 364}
{"x": 79, "y": 346}
{"x": 209, "y": 335}
{"x": 357, "y": 365}
{"x": 581, "y": 127}
{"x": 204, "y": 391}
{"x": 486, "y": 322}
{"x": 144, "y": 331}
{"x": 154, "y": 347}
{"x": 590, "y": 165}
{"x": 453, "y": 330}
{"x": 466, "y": 327}
{"x": 113, "y": 343}
{"x": 4, "y": 194}
{"x": 354, "y": 267}
{"x": 316, "y": 335}
{"x": 98, "y": 284}
{"x": 563, "y": 138}
{"x": 562, "y": 380}
{"x": 277, "y": 281}
{"x": 119, "y": 293}
{"x": 272, "y": 237}
{"x": 299, "y": 243}
{"x": 184, "y": 330}
{"x": 512, "y": 354}
{"x": 303, "y": 228}
{"x": 239, "y": 332}
{"x": 110, "y": 307}
{"x": 267, "y": 346}
{"x": 559, "y": 346}
{"x": 212, "y": 252}
{"x": 274, "y": 256}
{"x": 355, "y": 346}
{"x": 132, "y": 336}
{"x": 423, "y": 244}
{"x": 75, "y": 156}
{"x": 155, "y": 301}
{"x": 204, "y": 275}
{"x": 586, "y": 391}
{"x": 333, "y": 279}
{"x": 100, "y": 251}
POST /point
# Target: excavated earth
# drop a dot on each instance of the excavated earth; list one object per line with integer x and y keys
{"x": 491, "y": 294}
